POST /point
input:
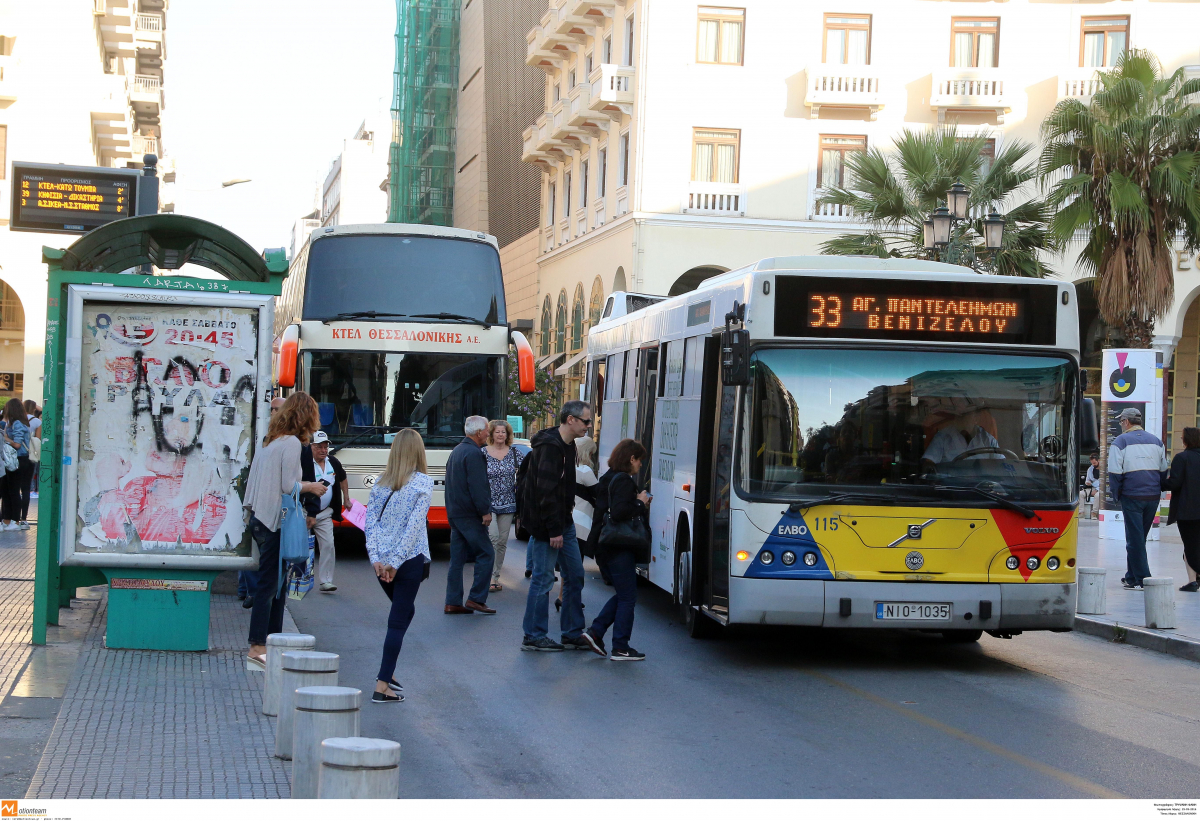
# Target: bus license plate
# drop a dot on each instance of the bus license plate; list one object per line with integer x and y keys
{"x": 912, "y": 611}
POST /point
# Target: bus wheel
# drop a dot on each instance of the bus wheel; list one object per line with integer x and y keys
{"x": 961, "y": 636}
{"x": 698, "y": 625}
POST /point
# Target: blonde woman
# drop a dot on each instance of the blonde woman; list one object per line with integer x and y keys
{"x": 503, "y": 460}
{"x": 399, "y": 547}
{"x": 275, "y": 473}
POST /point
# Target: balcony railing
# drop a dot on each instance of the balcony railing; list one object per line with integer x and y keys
{"x": 723, "y": 199}
{"x": 1078, "y": 84}
{"x": 612, "y": 88}
{"x": 969, "y": 88}
{"x": 844, "y": 86}
{"x": 150, "y": 23}
{"x": 145, "y": 145}
{"x": 143, "y": 84}
{"x": 830, "y": 212}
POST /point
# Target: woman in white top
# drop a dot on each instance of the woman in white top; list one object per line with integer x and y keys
{"x": 398, "y": 545}
{"x": 274, "y": 473}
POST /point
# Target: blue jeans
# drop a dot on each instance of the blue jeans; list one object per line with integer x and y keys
{"x": 402, "y": 590}
{"x": 537, "y": 606}
{"x": 247, "y": 583}
{"x": 618, "y": 611}
{"x": 1139, "y": 518}
{"x": 269, "y": 595}
{"x": 468, "y": 537}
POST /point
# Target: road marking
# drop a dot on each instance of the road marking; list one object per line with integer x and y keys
{"x": 1074, "y": 781}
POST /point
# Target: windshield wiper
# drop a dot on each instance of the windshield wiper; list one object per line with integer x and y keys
{"x": 801, "y": 507}
{"x": 357, "y": 315}
{"x": 470, "y": 320}
{"x": 1028, "y": 513}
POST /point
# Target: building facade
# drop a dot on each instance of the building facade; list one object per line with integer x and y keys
{"x": 81, "y": 83}
{"x": 681, "y": 140}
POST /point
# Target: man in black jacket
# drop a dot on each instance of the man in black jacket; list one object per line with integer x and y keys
{"x": 548, "y": 500}
{"x": 469, "y": 509}
{"x": 316, "y": 465}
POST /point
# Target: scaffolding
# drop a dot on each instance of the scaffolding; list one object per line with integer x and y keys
{"x": 424, "y": 108}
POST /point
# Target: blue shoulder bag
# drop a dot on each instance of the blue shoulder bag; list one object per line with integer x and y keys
{"x": 293, "y": 532}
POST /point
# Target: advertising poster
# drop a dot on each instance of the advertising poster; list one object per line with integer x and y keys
{"x": 166, "y": 427}
{"x": 1132, "y": 378}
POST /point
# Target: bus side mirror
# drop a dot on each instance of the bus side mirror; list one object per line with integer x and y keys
{"x": 1089, "y": 429}
{"x": 526, "y": 378}
{"x": 289, "y": 352}
{"x": 735, "y": 356}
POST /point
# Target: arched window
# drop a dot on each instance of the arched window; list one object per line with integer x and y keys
{"x": 560, "y": 323}
{"x": 619, "y": 279}
{"x": 577, "y": 319}
{"x": 545, "y": 346}
{"x": 597, "y": 303}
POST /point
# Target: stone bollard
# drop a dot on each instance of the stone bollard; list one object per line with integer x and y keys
{"x": 1160, "y": 603}
{"x": 277, "y": 644}
{"x": 359, "y": 768}
{"x": 1092, "y": 598}
{"x": 301, "y": 668}
{"x": 321, "y": 713}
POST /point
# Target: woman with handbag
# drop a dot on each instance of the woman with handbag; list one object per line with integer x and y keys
{"x": 272, "y": 494}
{"x": 398, "y": 545}
{"x": 1184, "y": 484}
{"x": 621, "y": 540}
{"x": 15, "y": 427}
{"x": 503, "y": 462}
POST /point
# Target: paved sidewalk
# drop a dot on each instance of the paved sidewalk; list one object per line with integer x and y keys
{"x": 17, "y": 550}
{"x": 1126, "y": 616}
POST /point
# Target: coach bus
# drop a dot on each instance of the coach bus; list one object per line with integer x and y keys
{"x": 850, "y": 442}
{"x": 397, "y": 326}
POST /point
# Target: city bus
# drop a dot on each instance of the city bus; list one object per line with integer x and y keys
{"x": 396, "y": 326}
{"x": 855, "y": 442}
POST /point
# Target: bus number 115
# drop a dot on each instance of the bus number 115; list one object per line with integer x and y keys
{"x": 827, "y": 311}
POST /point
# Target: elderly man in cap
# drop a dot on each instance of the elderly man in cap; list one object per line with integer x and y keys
{"x": 1137, "y": 468}
{"x": 318, "y": 466}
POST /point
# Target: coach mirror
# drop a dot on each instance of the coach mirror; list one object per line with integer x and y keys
{"x": 1089, "y": 433}
{"x": 735, "y": 348}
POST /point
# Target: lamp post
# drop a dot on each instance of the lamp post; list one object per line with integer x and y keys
{"x": 938, "y": 228}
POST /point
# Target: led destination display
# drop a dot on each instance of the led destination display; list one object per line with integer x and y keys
{"x": 852, "y": 309}
{"x": 65, "y": 199}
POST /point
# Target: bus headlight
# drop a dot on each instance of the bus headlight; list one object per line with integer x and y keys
{"x": 810, "y": 559}
{"x": 1012, "y": 563}
{"x": 766, "y": 557}
{"x": 1032, "y": 562}
{"x": 742, "y": 555}
{"x": 789, "y": 558}
{"x": 1052, "y": 563}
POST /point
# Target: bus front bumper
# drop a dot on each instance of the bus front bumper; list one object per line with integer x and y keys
{"x": 825, "y": 604}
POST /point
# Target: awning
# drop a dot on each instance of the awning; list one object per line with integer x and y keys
{"x": 548, "y": 361}
{"x": 566, "y": 366}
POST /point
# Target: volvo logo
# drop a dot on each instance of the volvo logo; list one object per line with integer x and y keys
{"x": 1041, "y": 530}
{"x": 914, "y": 561}
{"x": 913, "y": 532}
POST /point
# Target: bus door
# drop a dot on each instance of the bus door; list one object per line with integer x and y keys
{"x": 647, "y": 393}
{"x": 714, "y": 475}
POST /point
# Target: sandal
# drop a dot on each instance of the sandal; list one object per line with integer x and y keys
{"x": 256, "y": 664}
{"x": 496, "y": 587}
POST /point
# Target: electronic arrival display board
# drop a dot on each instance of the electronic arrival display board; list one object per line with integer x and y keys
{"x": 848, "y": 307}
{"x": 66, "y": 199}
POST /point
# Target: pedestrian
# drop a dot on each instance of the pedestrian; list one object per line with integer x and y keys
{"x": 1184, "y": 484}
{"x": 15, "y": 427}
{"x": 1091, "y": 485}
{"x": 248, "y": 579}
{"x": 34, "y": 413}
{"x": 503, "y": 461}
{"x": 1137, "y": 469}
{"x": 546, "y": 508}
{"x": 275, "y": 473}
{"x": 322, "y": 511}
{"x": 469, "y": 509}
{"x": 618, "y": 500}
{"x": 398, "y": 546}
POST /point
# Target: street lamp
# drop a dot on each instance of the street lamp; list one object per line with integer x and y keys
{"x": 938, "y": 227}
{"x": 957, "y": 198}
{"x": 943, "y": 221}
{"x": 993, "y": 231}
{"x": 928, "y": 231}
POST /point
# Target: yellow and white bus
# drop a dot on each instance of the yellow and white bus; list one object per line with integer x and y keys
{"x": 850, "y": 442}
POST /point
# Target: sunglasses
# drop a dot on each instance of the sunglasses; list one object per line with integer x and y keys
{"x": 586, "y": 422}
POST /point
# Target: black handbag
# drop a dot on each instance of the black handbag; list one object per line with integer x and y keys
{"x": 632, "y": 534}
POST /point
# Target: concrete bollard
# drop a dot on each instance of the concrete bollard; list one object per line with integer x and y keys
{"x": 321, "y": 713}
{"x": 277, "y": 644}
{"x": 1160, "y": 603}
{"x": 1092, "y": 598}
{"x": 359, "y": 768}
{"x": 301, "y": 668}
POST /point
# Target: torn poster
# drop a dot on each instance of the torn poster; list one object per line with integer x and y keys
{"x": 166, "y": 428}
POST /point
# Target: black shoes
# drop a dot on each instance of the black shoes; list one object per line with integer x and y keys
{"x": 395, "y": 686}
{"x": 528, "y": 574}
{"x": 247, "y": 603}
{"x": 545, "y": 644}
{"x": 627, "y": 655}
{"x": 596, "y": 644}
{"x": 386, "y": 698}
{"x": 1130, "y": 585}
{"x": 1191, "y": 587}
{"x": 577, "y": 643}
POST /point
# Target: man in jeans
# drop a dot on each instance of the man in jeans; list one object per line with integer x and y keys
{"x": 1137, "y": 466}
{"x": 469, "y": 509}
{"x": 548, "y": 500}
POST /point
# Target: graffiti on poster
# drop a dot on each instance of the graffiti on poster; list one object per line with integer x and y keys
{"x": 166, "y": 428}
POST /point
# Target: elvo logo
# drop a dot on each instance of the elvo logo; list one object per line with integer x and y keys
{"x": 1122, "y": 381}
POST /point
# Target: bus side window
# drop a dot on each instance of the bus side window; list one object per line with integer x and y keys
{"x": 691, "y": 367}
{"x": 612, "y": 390}
{"x": 631, "y": 375}
{"x": 672, "y": 379}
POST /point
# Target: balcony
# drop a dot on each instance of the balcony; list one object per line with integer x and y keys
{"x": 546, "y": 142}
{"x": 573, "y": 22}
{"x": 567, "y": 136}
{"x": 148, "y": 31}
{"x": 1078, "y": 84}
{"x": 969, "y": 89}
{"x": 145, "y": 145}
{"x": 826, "y": 212}
{"x": 539, "y": 53}
{"x": 8, "y": 79}
{"x": 844, "y": 86}
{"x": 530, "y": 152}
{"x": 580, "y": 114}
{"x": 589, "y": 13}
{"x": 612, "y": 89}
{"x": 555, "y": 29}
{"x": 719, "y": 199}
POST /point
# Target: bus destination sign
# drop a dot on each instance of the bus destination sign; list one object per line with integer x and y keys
{"x": 846, "y": 307}
{"x": 68, "y": 199}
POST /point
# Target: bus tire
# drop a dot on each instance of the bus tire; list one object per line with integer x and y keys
{"x": 961, "y": 636}
{"x": 698, "y": 625}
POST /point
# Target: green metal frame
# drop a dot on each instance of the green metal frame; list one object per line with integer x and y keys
{"x": 168, "y": 241}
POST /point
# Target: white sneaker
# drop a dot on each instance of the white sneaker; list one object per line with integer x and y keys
{"x": 11, "y": 526}
{"x": 23, "y": 525}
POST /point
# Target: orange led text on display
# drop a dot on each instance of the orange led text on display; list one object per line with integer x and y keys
{"x": 919, "y": 314}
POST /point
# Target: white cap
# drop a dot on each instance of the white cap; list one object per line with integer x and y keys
{"x": 320, "y": 437}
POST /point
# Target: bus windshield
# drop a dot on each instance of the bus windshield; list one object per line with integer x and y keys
{"x": 875, "y": 421}
{"x": 366, "y": 396}
{"x": 403, "y": 275}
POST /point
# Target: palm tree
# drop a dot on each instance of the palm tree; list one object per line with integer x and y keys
{"x": 894, "y": 195}
{"x": 1124, "y": 170}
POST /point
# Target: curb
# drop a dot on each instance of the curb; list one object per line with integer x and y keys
{"x": 1157, "y": 640}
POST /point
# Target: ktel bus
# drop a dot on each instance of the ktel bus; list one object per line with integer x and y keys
{"x": 397, "y": 326}
{"x": 849, "y": 442}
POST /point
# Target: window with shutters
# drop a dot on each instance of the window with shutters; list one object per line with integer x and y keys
{"x": 602, "y": 173}
{"x": 1103, "y": 40}
{"x": 974, "y": 42}
{"x": 577, "y": 319}
{"x": 544, "y": 347}
{"x": 715, "y": 155}
{"x": 847, "y": 39}
{"x": 719, "y": 35}
{"x": 831, "y": 163}
{"x": 583, "y": 184}
{"x": 624, "y": 169}
{"x": 567, "y": 194}
{"x": 560, "y": 323}
{"x": 550, "y": 201}
{"x": 628, "y": 41}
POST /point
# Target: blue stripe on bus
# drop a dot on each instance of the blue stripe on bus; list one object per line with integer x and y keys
{"x": 791, "y": 533}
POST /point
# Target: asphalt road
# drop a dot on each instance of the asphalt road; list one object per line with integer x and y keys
{"x": 760, "y": 714}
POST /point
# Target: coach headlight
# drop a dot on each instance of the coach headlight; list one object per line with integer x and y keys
{"x": 766, "y": 557}
{"x": 1032, "y": 563}
{"x": 789, "y": 558}
{"x": 810, "y": 559}
{"x": 1012, "y": 562}
{"x": 1052, "y": 563}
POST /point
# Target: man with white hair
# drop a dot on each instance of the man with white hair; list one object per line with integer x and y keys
{"x": 469, "y": 509}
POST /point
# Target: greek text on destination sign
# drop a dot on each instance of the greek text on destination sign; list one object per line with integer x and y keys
{"x": 920, "y": 314}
